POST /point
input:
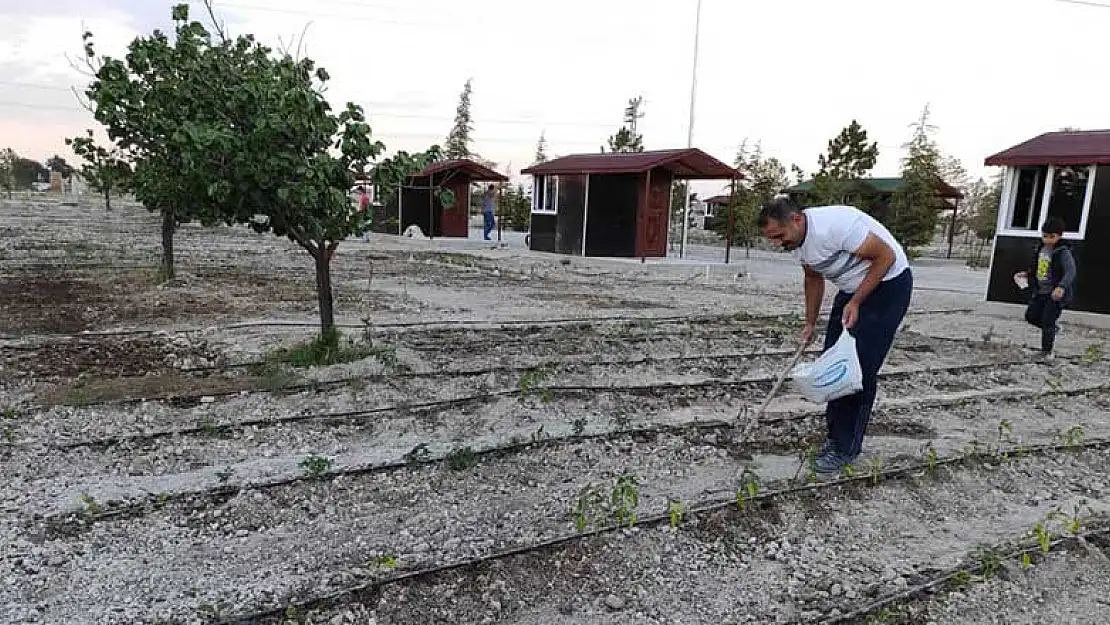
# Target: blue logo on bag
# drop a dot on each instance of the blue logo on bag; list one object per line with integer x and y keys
{"x": 832, "y": 374}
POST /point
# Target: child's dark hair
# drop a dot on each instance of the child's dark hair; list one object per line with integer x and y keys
{"x": 1053, "y": 225}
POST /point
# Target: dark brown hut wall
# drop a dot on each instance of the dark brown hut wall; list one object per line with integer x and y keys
{"x": 1092, "y": 255}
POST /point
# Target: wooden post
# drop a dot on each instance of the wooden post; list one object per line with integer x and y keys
{"x": 952, "y": 226}
{"x": 731, "y": 204}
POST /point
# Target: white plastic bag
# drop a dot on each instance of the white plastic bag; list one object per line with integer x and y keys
{"x": 835, "y": 374}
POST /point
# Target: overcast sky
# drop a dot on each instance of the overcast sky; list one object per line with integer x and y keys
{"x": 788, "y": 73}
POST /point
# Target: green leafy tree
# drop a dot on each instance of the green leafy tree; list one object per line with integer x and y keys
{"x": 59, "y": 164}
{"x": 982, "y": 203}
{"x": 159, "y": 103}
{"x": 106, "y": 170}
{"x": 7, "y": 170}
{"x": 253, "y": 137}
{"x": 763, "y": 178}
{"x": 392, "y": 175}
{"x": 849, "y": 158}
{"x": 916, "y": 206}
{"x": 458, "y": 140}
{"x": 26, "y": 170}
{"x": 627, "y": 138}
{"x": 516, "y": 207}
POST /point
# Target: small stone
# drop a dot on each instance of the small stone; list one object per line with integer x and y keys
{"x": 614, "y": 603}
{"x": 207, "y": 399}
{"x": 836, "y": 590}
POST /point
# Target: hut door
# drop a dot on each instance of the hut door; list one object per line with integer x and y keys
{"x": 651, "y": 234}
{"x": 456, "y": 219}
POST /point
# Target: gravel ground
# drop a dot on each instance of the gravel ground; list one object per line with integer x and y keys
{"x": 206, "y": 507}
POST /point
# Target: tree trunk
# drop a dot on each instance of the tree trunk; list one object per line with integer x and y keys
{"x": 108, "y": 199}
{"x": 168, "y": 226}
{"x": 323, "y": 290}
{"x": 748, "y": 251}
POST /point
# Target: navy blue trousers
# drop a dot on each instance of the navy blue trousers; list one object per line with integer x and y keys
{"x": 879, "y": 317}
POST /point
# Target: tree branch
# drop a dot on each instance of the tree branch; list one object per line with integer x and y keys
{"x": 215, "y": 23}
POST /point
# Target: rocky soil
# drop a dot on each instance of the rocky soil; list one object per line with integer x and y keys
{"x": 501, "y": 413}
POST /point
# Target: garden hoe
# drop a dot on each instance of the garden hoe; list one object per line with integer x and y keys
{"x": 748, "y": 424}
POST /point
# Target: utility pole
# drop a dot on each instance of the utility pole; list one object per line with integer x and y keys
{"x": 690, "y": 128}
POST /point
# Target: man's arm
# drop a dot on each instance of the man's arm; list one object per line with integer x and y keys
{"x": 815, "y": 292}
{"x": 882, "y": 259}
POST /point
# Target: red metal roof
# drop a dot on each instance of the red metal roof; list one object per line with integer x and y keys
{"x": 689, "y": 163}
{"x": 1077, "y": 147}
{"x": 475, "y": 171}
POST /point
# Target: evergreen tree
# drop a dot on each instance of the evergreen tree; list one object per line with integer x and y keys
{"x": 849, "y": 158}
{"x": 916, "y": 206}
{"x": 541, "y": 149}
{"x": 627, "y": 138}
{"x": 458, "y": 140}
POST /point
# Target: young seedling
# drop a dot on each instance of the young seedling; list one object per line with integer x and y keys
{"x": 625, "y": 498}
{"x": 8, "y": 423}
{"x": 1092, "y": 355}
{"x": 990, "y": 562}
{"x": 90, "y": 507}
{"x": 315, "y": 465}
{"x": 1074, "y": 436}
{"x": 930, "y": 457}
{"x": 588, "y": 499}
{"x": 530, "y": 380}
{"x": 1026, "y": 560}
{"x": 1005, "y": 435}
{"x": 850, "y": 470}
{"x": 621, "y": 421}
{"x": 875, "y": 469}
{"x": 676, "y": 509}
{"x": 960, "y": 580}
{"x": 387, "y": 562}
{"x": 462, "y": 459}
{"x": 1043, "y": 536}
{"x": 417, "y": 454}
{"x": 579, "y": 426}
{"x": 1071, "y": 523}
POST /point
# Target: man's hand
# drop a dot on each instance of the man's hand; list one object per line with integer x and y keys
{"x": 1058, "y": 293}
{"x": 807, "y": 333}
{"x": 850, "y": 316}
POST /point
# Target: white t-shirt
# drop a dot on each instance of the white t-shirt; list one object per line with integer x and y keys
{"x": 832, "y": 234}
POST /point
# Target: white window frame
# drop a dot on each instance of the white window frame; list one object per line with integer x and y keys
{"x": 551, "y": 183}
{"x": 1009, "y": 197}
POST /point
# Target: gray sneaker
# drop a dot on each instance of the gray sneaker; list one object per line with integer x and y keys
{"x": 832, "y": 462}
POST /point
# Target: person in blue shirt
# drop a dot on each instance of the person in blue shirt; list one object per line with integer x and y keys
{"x": 488, "y": 203}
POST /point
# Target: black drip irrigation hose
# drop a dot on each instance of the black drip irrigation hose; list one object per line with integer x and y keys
{"x": 565, "y": 391}
{"x": 447, "y": 323}
{"x": 948, "y": 576}
{"x": 710, "y": 506}
{"x": 415, "y": 460}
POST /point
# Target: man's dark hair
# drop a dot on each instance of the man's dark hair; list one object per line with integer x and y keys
{"x": 779, "y": 209}
{"x": 1053, "y": 225}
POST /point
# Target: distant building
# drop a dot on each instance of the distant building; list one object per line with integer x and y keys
{"x": 1057, "y": 174}
{"x": 612, "y": 204}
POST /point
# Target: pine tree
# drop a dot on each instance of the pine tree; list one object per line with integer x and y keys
{"x": 541, "y": 149}
{"x": 627, "y": 138}
{"x": 916, "y": 205}
{"x": 458, "y": 140}
{"x": 848, "y": 159}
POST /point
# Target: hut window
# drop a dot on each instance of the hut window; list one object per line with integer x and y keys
{"x": 1069, "y": 195}
{"x": 1038, "y": 193}
{"x": 1025, "y": 211}
{"x": 549, "y": 195}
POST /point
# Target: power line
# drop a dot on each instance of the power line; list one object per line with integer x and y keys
{"x": 323, "y": 15}
{"x": 1086, "y": 3}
